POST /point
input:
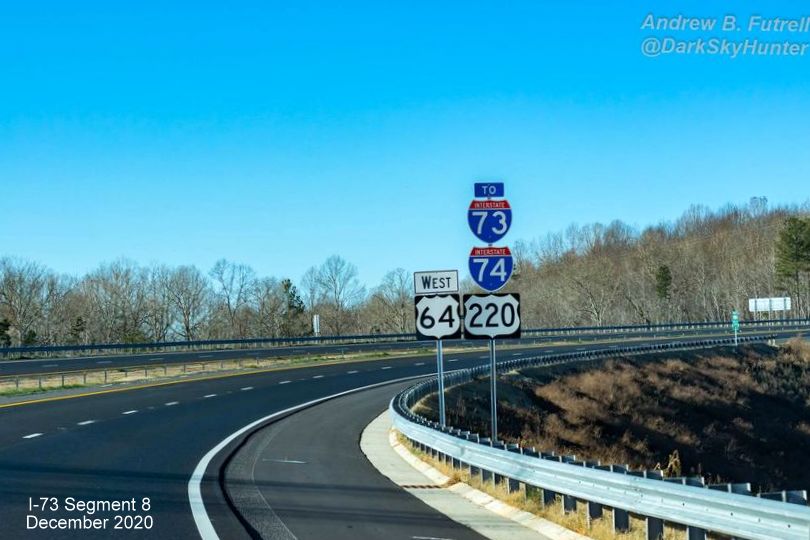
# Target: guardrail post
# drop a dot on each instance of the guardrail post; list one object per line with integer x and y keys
{"x": 40, "y": 382}
{"x": 63, "y": 380}
{"x": 621, "y": 520}
{"x": 594, "y": 511}
{"x": 84, "y": 378}
{"x": 105, "y": 376}
{"x": 549, "y": 497}
{"x": 654, "y": 528}
{"x": 532, "y": 493}
{"x": 569, "y": 504}
{"x": 693, "y": 533}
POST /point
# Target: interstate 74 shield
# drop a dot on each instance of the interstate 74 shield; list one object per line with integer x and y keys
{"x": 438, "y": 316}
{"x": 491, "y": 267}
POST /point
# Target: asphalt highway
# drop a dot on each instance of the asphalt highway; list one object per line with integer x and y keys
{"x": 146, "y": 443}
{"x": 40, "y": 366}
{"x": 305, "y": 477}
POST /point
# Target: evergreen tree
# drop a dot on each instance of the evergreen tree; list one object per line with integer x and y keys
{"x": 793, "y": 254}
{"x": 293, "y": 321}
{"x": 5, "y": 339}
{"x": 663, "y": 282}
{"x": 30, "y": 338}
{"x": 77, "y": 330}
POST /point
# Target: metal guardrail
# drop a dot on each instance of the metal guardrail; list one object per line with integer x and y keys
{"x": 728, "y": 509}
{"x": 375, "y": 338}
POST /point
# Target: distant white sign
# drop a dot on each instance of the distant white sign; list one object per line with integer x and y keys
{"x": 435, "y": 282}
{"x": 756, "y": 305}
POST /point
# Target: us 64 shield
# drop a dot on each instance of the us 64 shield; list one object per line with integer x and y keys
{"x": 490, "y": 316}
{"x": 438, "y": 316}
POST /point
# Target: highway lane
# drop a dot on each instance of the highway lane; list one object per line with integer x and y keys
{"x": 146, "y": 443}
{"x": 305, "y": 477}
{"x": 40, "y": 366}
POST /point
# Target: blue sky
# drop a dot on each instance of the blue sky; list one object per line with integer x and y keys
{"x": 279, "y": 133}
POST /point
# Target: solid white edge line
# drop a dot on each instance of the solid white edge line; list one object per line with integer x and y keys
{"x": 201, "y": 519}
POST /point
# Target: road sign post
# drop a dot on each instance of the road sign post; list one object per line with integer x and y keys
{"x": 493, "y": 391}
{"x": 735, "y": 324}
{"x": 491, "y": 316}
{"x": 438, "y": 317}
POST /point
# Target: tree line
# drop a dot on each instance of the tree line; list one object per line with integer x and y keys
{"x": 696, "y": 268}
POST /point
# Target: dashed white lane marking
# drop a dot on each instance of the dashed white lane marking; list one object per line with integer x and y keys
{"x": 157, "y": 358}
{"x": 318, "y": 377}
{"x": 172, "y": 403}
{"x": 419, "y": 364}
{"x": 453, "y": 360}
{"x": 51, "y": 365}
{"x": 246, "y": 388}
{"x": 32, "y": 435}
{"x": 484, "y": 357}
{"x": 515, "y": 354}
{"x": 86, "y": 422}
{"x": 386, "y": 367}
{"x": 352, "y": 372}
{"x": 205, "y": 356}
{"x": 104, "y": 362}
{"x": 285, "y": 382}
{"x": 105, "y": 385}
{"x": 133, "y": 411}
{"x": 430, "y": 538}
{"x": 209, "y": 396}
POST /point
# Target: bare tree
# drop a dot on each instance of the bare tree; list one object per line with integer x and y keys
{"x": 270, "y": 301}
{"x": 159, "y": 312}
{"x": 234, "y": 282}
{"x": 395, "y": 297}
{"x": 188, "y": 293}
{"x": 340, "y": 290}
{"x": 117, "y": 298}
{"x": 22, "y": 296}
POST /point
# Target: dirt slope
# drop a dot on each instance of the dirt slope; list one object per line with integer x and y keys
{"x": 731, "y": 415}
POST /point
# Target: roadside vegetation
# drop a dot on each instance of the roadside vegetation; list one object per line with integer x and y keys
{"x": 698, "y": 267}
{"x": 731, "y": 415}
{"x": 599, "y": 529}
{"x": 22, "y": 385}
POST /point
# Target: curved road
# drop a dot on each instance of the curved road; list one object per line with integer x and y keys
{"x": 146, "y": 443}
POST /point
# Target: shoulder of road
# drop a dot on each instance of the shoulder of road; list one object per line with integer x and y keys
{"x": 481, "y": 512}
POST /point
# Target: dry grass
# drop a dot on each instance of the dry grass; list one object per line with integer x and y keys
{"x": 29, "y": 384}
{"x": 599, "y": 529}
{"x": 734, "y": 415}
